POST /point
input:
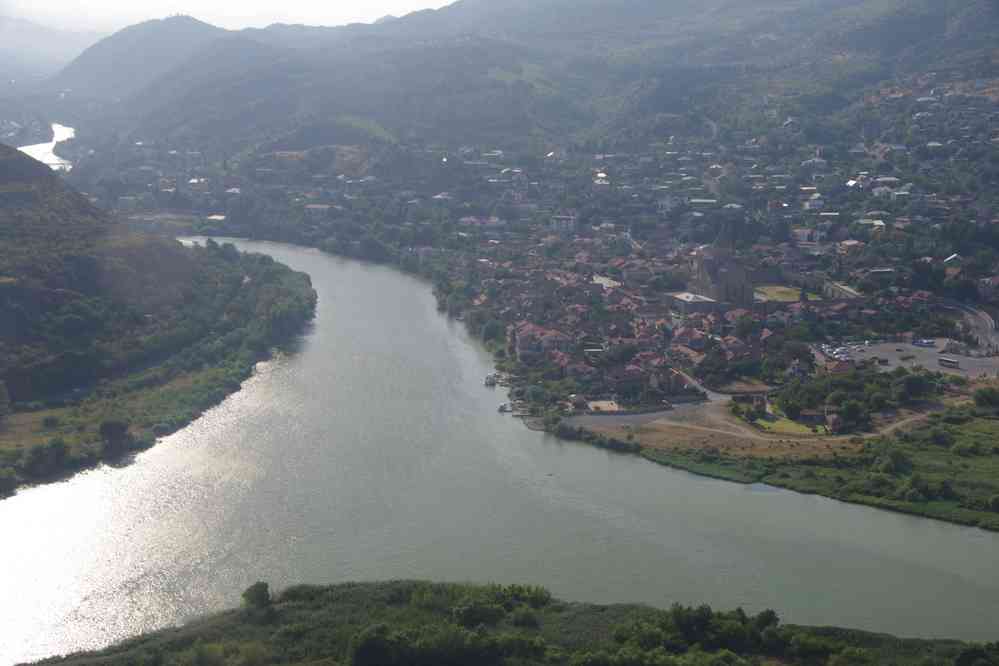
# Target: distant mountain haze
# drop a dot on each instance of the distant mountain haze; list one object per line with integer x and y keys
{"x": 110, "y": 15}
{"x": 491, "y": 70}
{"x": 30, "y": 50}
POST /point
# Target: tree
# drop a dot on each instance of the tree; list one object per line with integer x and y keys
{"x": 493, "y": 330}
{"x": 913, "y": 387}
{"x": 4, "y": 402}
{"x": 837, "y": 398}
{"x": 852, "y": 412}
{"x": 114, "y": 434}
{"x": 257, "y": 595}
{"x": 375, "y": 646}
{"x": 852, "y": 657}
{"x": 986, "y": 397}
{"x": 537, "y": 395}
{"x": 745, "y": 327}
{"x": 8, "y": 481}
{"x": 792, "y": 409}
{"x": 114, "y": 431}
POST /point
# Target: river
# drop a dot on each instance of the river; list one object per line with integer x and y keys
{"x": 45, "y": 152}
{"x": 374, "y": 452}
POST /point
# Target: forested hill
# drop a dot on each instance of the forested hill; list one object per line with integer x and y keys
{"x": 426, "y": 624}
{"x": 481, "y": 71}
{"x": 38, "y": 210}
{"x": 130, "y": 59}
{"x": 101, "y": 325}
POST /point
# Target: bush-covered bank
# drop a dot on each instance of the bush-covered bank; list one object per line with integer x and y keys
{"x": 111, "y": 338}
{"x": 246, "y": 305}
{"x": 415, "y": 623}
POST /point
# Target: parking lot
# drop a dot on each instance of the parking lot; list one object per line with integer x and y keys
{"x": 910, "y": 356}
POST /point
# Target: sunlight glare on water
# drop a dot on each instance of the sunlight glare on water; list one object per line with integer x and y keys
{"x": 373, "y": 451}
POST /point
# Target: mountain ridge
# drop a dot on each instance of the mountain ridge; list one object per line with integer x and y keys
{"x": 475, "y": 71}
{"x": 125, "y": 62}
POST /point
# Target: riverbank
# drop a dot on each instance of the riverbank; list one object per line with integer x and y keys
{"x": 942, "y": 465}
{"x": 190, "y": 368}
{"x": 417, "y": 623}
{"x": 373, "y": 452}
{"x": 840, "y": 468}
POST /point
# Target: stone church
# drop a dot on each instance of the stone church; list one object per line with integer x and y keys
{"x": 719, "y": 275}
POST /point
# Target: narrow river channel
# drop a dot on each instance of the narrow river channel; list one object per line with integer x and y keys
{"x": 375, "y": 452}
{"x": 45, "y": 152}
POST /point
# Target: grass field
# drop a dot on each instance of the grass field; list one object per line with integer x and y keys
{"x": 782, "y": 294}
{"x": 785, "y": 426}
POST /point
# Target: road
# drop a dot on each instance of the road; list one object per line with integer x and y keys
{"x": 982, "y": 324}
{"x": 900, "y": 355}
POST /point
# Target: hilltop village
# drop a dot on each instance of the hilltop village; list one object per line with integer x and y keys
{"x": 748, "y": 258}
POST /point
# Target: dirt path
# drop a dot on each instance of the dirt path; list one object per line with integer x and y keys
{"x": 712, "y": 426}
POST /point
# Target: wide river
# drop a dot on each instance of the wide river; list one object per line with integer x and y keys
{"x": 374, "y": 452}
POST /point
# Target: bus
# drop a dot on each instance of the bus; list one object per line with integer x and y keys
{"x": 950, "y": 363}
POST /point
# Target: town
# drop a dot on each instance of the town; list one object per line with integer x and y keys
{"x": 717, "y": 259}
{"x": 674, "y": 307}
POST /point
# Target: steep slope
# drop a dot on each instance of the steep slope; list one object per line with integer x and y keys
{"x": 70, "y": 282}
{"x": 109, "y": 338}
{"x": 450, "y": 90}
{"x": 133, "y": 58}
{"x": 233, "y": 83}
{"x": 82, "y": 299}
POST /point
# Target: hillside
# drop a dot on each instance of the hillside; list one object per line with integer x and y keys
{"x": 475, "y": 71}
{"x": 129, "y": 60}
{"x": 416, "y": 624}
{"x": 96, "y": 320}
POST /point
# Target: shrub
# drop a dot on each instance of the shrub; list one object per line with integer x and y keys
{"x": 987, "y": 397}
{"x": 941, "y": 437}
{"x": 852, "y": 657}
{"x": 257, "y": 595}
{"x": 966, "y": 450}
{"x": 114, "y": 438}
{"x": 8, "y": 480}
{"x": 526, "y": 619}
{"x": 476, "y": 613}
{"x": 4, "y": 402}
{"x": 375, "y": 647}
{"x": 893, "y": 462}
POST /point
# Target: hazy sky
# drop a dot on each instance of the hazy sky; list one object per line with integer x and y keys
{"x": 113, "y": 14}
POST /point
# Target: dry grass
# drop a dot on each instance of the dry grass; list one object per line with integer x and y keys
{"x": 782, "y": 294}
{"x": 713, "y": 427}
{"x": 22, "y": 431}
